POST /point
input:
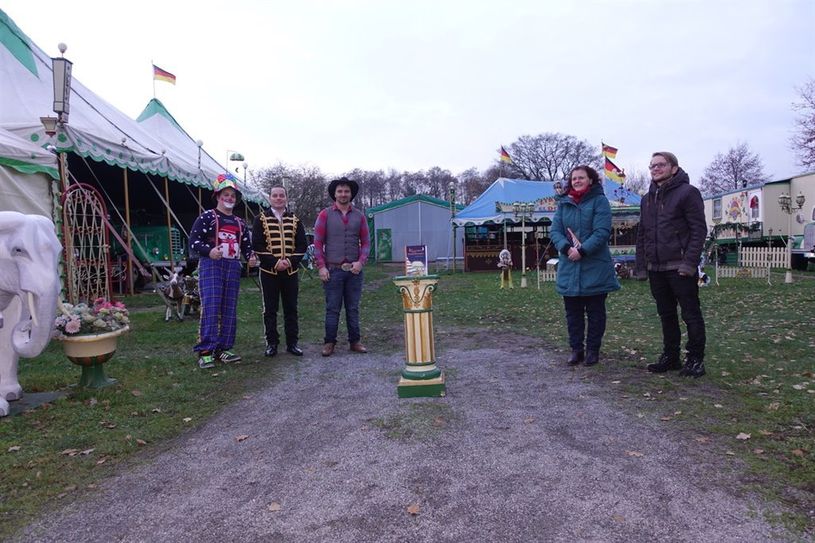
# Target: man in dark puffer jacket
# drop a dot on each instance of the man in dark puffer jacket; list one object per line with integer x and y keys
{"x": 670, "y": 239}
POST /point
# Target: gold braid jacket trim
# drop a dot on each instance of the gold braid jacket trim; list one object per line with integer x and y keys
{"x": 279, "y": 237}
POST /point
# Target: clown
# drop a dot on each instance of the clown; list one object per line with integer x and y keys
{"x": 218, "y": 238}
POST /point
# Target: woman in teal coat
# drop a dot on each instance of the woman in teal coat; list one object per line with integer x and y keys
{"x": 580, "y": 232}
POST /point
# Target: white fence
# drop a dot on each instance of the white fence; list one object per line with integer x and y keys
{"x": 755, "y": 262}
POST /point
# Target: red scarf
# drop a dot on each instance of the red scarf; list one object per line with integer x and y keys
{"x": 578, "y": 195}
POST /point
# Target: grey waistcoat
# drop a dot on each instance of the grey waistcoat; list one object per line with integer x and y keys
{"x": 342, "y": 240}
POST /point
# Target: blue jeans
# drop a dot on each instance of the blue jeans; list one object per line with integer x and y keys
{"x": 342, "y": 288}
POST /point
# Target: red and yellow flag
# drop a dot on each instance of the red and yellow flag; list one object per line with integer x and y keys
{"x": 609, "y": 151}
{"x": 613, "y": 172}
{"x": 163, "y": 75}
{"x": 504, "y": 156}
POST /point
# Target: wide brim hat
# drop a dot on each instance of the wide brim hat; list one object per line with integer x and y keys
{"x": 225, "y": 181}
{"x": 332, "y": 187}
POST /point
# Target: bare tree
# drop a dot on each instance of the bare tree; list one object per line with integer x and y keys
{"x": 637, "y": 181}
{"x": 305, "y": 188}
{"x": 737, "y": 168}
{"x": 471, "y": 183}
{"x": 803, "y": 141}
{"x": 549, "y": 156}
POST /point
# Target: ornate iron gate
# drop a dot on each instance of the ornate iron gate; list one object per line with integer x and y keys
{"x": 87, "y": 251}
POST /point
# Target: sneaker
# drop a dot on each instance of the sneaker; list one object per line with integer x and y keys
{"x": 206, "y": 361}
{"x": 665, "y": 363}
{"x": 227, "y": 357}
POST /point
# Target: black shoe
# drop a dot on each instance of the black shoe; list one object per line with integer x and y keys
{"x": 575, "y": 358}
{"x": 592, "y": 358}
{"x": 665, "y": 363}
{"x": 694, "y": 367}
{"x": 271, "y": 350}
{"x": 295, "y": 350}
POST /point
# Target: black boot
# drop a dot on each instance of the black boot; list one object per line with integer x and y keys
{"x": 575, "y": 358}
{"x": 665, "y": 363}
{"x": 592, "y": 358}
{"x": 694, "y": 367}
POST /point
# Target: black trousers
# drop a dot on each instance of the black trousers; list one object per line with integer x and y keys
{"x": 579, "y": 309}
{"x": 276, "y": 288}
{"x": 669, "y": 289}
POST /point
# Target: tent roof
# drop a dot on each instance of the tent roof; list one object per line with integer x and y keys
{"x": 371, "y": 211}
{"x": 95, "y": 130}
{"x": 26, "y": 157}
{"x": 158, "y": 121}
{"x": 494, "y": 204}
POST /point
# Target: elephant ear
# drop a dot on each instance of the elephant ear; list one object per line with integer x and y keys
{"x": 11, "y": 220}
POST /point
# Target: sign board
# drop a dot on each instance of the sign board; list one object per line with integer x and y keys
{"x": 415, "y": 259}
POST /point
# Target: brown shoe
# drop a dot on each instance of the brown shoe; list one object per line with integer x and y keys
{"x": 358, "y": 347}
{"x": 328, "y": 349}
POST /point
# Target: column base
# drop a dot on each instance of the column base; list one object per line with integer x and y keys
{"x": 424, "y": 388}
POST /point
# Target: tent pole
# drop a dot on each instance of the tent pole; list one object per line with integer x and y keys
{"x": 169, "y": 223}
{"x": 129, "y": 242}
{"x": 200, "y": 206}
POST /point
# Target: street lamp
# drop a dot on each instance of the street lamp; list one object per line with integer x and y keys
{"x": 62, "y": 84}
{"x": 523, "y": 210}
{"x": 233, "y": 156}
{"x": 452, "y": 188}
{"x": 785, "y": 201}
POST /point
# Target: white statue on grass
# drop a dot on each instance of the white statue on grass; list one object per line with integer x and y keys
{"x": 29, "y": 288}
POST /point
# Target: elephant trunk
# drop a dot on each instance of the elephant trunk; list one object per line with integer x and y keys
{"x": 31, "y": 336}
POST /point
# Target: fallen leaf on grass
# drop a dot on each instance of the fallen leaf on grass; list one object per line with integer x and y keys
{"x": 107, "y": 424}
{"x": 274, "y": 507}
{"x": 798, "y": 452}
{"x": 765, "y": 433}
{"x": 102, "y": 460}
{"x": 799, "y": 387}
{"x": 730, "y": 453}
{"x": 136, "y": 392}
{"x": 70, "y": 452}
{"x": 242, "y": 437}
{"x": 758, "y": 451}
{"x": 186, "y": 419}
{"x": 742, "y": 436}
{"x": 773, "y": 406}
{"x": 529, "y": 420}
{"x": 413, "y": 509}
{"x": 665, "y": 419}
{"x": 86, "y": 452}
{"x": 718, "y": 405}
{"x": 635, "y": 454}
{"x": 141, "y": 442}
{"x": 14, "y": 448}
{"x": 156, "y": 410}
{"x": 615, "y": 382}
{"x": 703, "y": 439}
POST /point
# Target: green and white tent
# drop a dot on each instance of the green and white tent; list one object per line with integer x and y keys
{"x": 96, "y": 130}
{"x": 26, "y": 174}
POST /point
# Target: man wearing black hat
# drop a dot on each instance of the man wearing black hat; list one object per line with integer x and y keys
{"x": 341, "y": 243}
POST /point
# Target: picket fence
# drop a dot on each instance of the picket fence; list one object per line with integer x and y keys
{"x": 755, "y": 262}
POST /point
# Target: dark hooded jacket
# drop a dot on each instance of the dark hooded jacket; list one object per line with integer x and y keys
{"x": 672, "y": 227}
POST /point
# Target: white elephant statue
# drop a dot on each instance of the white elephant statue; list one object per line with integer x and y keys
{"x": 29, "y": 289}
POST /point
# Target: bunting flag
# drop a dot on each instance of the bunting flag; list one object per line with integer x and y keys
{"x": 163, "y": 75}
{"x": 613, "y": 172}
{"x": 609, "y": 151}
{"x": 505, "y": 156}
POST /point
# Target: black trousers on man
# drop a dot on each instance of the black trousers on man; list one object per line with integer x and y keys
{"x": 669, "y": 289}
{"x": 276, "y": 288}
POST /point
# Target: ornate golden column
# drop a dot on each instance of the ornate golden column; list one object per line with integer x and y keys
{"x": 421, "y": 376}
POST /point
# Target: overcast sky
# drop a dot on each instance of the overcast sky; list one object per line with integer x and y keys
{"x": 419, "y": 83}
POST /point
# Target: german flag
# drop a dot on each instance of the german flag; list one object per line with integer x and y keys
{"x": 613, "y": 172}
{"x": 609, "y": 151}
{"x": 163, "y": 75}
{"x": 504, "y": 156}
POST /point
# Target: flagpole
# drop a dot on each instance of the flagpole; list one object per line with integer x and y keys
{"x": 153, "y": 66}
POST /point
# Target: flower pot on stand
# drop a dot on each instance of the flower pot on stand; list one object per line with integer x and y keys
{"x": 91, "y": 352}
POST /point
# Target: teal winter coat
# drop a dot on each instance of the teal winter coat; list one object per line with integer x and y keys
{"x": 590, "y": 220}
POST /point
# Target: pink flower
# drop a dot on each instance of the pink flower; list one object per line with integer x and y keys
{"x": 72, "y": 326}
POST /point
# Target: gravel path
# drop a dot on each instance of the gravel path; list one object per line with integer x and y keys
{"x": 521, "y": 449}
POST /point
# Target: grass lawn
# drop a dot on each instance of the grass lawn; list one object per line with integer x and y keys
{"x": 760, "y": 379}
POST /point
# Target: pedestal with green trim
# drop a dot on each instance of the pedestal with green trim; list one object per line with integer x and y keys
{"x": 420, "y": 377}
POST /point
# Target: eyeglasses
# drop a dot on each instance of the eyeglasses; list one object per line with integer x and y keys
{"x": 658, "y": 166}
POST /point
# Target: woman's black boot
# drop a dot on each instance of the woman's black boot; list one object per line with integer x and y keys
{"x": 592, "y": 358}
{"x": 575, "y": 358}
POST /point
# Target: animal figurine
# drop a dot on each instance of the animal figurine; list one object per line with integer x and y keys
{"x": 172, "y": 295}
{"x": 192, "y": 300}
{"x": 505, "y": 264}
{"x": 29, "y": 288}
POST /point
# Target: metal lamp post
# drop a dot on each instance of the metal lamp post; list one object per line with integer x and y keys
{"x": 233, "y": 156}
{"x": 522, "y": 211}
{"x": 452, "y": 188}
{"x": 785, "y": 201}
